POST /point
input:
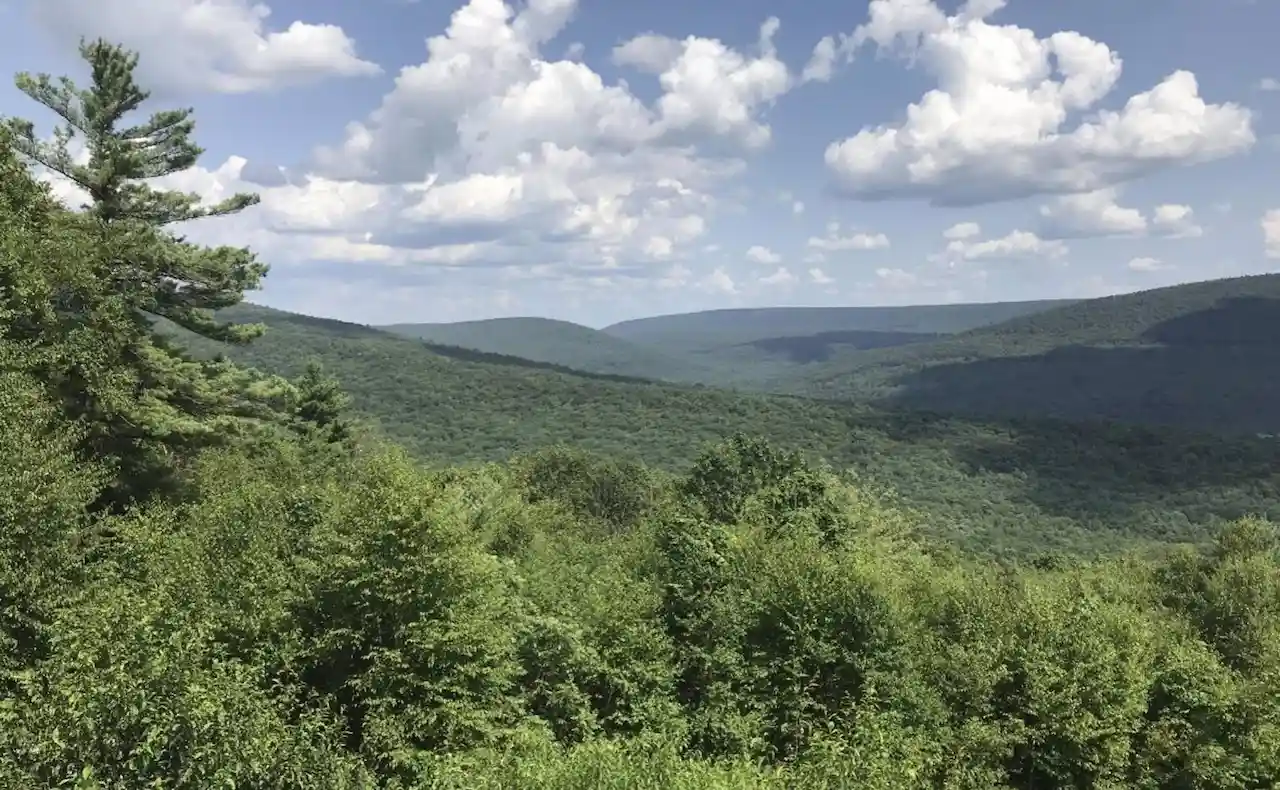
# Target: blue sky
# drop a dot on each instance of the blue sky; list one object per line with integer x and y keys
{"x": 597, "y": 161}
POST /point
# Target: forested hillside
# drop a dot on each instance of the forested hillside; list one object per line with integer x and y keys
{"x": 1197, "y": 356}
{"x": 213, "y": 576}
{"x": 1194, "y": 356}
{"x": 718, "y": 328}
{"x": 560, "y": 343}
{"x": 991, "y": 487}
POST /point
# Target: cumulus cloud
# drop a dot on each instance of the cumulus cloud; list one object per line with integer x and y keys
{"x": 719, "y": 281}
{"x": 822, "y": 63}
{"x": 489, "y": 143}
{"x": 759, "y": 254}
{"x": 489, "y": 156}
{"x": 896, "y": 278}
{"x": 226, "y": 46}
{"x": 820, "y": 277}
{"x": 996, "y": 126}
{"x": 834, "y": 241}
{"x": 1269, "y": 84}
{"x": 1017, "y": 245}
{"x": 1097, "y": 214}
{"x": 1271, "y": 232}
{"x": 780, "y": 277}
{"x": 1146, "y": 264}
{"x": 962, "y": 230}
{"x": 1176, "y": 221}
{"x": 1090, "y": 214}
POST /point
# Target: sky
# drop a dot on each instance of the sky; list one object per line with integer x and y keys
{"x": 593, "y": 161}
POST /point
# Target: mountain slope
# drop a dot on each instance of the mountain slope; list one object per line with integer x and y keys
{"x": 990, "y": 486}
{"x": 557, "y": 342}
{"x": 719, "y": 328}
{"x": 1204, "y": 355}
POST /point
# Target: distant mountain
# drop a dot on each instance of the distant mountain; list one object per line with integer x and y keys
{"x": 992, "y": 486}
{"x": 803, "y": 349}
{"x": 1203, "y": 355}
{"x": 714, "y": 329}
{"x": 759, "y": 349}
{"x": 557, "y": 342}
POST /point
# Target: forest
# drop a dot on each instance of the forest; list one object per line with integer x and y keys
{"x": 1193, "y": 356}
{"x": 218, "y": 570}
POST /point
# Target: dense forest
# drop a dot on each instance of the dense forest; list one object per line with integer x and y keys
{"x": 746, "y": 349}
{"x": 1001, "y": 488}
{"x": 1194, "y": 356}
{"x": 213, "y": 575}
{"x": 1197, "y": 355}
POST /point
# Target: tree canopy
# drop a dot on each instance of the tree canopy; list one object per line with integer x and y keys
{"x": 305, "y": 605}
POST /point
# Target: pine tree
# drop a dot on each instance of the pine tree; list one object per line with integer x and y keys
{"x": 168, "y": 405}
{"x": 177, "y": 281}
{"x": 322, "y": 405}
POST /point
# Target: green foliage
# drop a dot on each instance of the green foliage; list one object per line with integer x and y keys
{"x": 44, "y": 492}
{"x": 618, "y": 493}
{"x": 1189, "y": 355}
{"x": 320, "y": 408}
{"x": 147, "y": 406}
{"x": 992, "y": 487}
{"x": 312, "y": 608}
{"x": 557, "y": 343}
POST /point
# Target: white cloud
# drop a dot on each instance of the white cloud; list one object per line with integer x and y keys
{"x": 1176, "y": 221}
{"x": 206, "y": 45}
{"x": 821, "y": 65}
{"x": 1269, "y": 84}
{"x": 797, "y": 207}
{"x": 1271, "y": 232}
{"x": 489, "y": 143}
{"x": 1017, "y": 245}
{"x": 758, "y": 254}
{"x": 962, "y": 230}
{"x": 834, "y": 242}
{"x": 489, "y": 156}
{"x": 995, "y": 127}
{"x": 708, "y": 87}
{"x": 896, "y": 278}
{"x": 780, "y": 277}
{"x": 1090, "y": 214}
{"x": 820, "y": 277}
{"x": 658, "y": 247}
{"x": 1146, "y": 264}
{"x": 719, "y": 281}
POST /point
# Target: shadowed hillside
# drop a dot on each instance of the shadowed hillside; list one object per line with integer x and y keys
{"x": 804, "y": 349}
{"x": 1198, "y": 355}
{"x": 557, "y": 342}
{"x": 713, "y": 329}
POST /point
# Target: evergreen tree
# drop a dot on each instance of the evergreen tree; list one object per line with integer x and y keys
{"x": 167, "y": 404}
{"x": 178, "y": 281}
{"x": 322, "y": 405}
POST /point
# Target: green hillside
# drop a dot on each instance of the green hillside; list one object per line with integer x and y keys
{"x": 214, "y": 576}
{"x": 557, "y": 342}
{"x": 1199, "y": 355}
{"x": 990, "y": 486}
{"x": 713, "y": 329}
{"x": 739, "y": 349}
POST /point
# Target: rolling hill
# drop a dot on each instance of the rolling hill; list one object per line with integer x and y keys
{"x": 557, "y": 342}
{"x": 992, "y": 486}
{"x": 742, "y": 349}
{"x": 1203, "y": 355}
{"x": 714, "y": 329}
